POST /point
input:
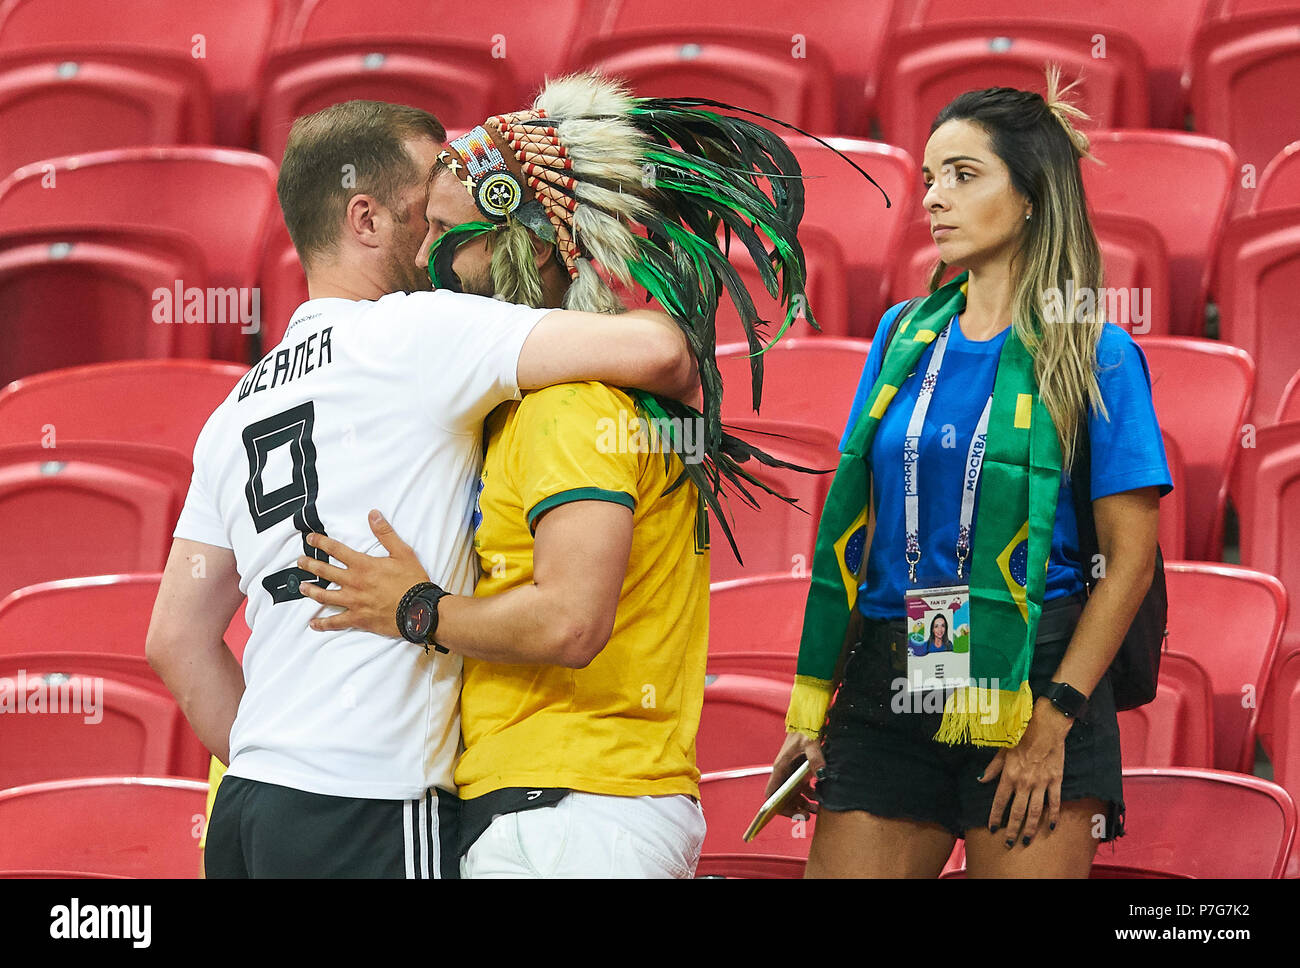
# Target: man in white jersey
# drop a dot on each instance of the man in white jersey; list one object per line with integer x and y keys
{"x": 341, "y": 752}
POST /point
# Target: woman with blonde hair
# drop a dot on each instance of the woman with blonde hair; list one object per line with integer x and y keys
{"x": 953, "y": 489}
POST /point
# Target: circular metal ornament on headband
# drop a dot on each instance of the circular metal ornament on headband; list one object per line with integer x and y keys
{"x": 495, "y": 190}
{"x": 498, "y": 195}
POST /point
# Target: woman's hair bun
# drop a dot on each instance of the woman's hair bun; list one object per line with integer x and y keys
{"x": 1064, "y": 110}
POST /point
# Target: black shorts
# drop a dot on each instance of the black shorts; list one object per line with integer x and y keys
{"x": 265, "y": 830}
{"x": 887, "y": 763}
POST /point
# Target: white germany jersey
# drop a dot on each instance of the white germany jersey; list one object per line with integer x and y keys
{"x": 362, "y": 405}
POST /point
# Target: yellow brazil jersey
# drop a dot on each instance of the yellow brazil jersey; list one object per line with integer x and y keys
{"x": 216, "y": 770}
{"x": 625, "y": 725}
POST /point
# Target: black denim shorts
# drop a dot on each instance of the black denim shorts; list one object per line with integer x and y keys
{"x": 887, "y": 763}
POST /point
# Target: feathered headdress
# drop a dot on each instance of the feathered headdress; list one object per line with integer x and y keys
{"x": 637, "y": 191}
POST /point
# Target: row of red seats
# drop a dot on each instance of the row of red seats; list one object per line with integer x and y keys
{"x": 1198, "y": 709}
{"x": 864, "y": 67}
{"x": 1198, "y": 719}
{"x": 107, "y": 256}
{"x": 143, "y": 826}
{"x": 1175, "y": 828}
{"x": 1225, "y": 680}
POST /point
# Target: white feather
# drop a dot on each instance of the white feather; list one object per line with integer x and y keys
{"x": 608, "y": 240}
{"x": 589, "y": 294}
{"x": 583, "y": 94}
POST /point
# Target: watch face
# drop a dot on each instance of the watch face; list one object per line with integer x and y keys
{"x": 418, "y": 617}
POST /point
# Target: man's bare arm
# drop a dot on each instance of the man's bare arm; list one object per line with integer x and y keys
{"x": 186, "y": 645}
{"x": 564, "y": 617}
{"x": 642, "y": 348}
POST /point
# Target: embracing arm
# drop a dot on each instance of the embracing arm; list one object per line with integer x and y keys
{"x": 563, "y": 617}
{"x": 185, "y": 644}
{"x": 642, "y": 348}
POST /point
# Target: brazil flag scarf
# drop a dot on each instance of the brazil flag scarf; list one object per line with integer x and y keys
{"x": 1012, "y": 541}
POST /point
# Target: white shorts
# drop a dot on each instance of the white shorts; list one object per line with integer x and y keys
{"x": 589, "y": 835}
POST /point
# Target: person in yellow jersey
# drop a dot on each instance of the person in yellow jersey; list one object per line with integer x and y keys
{"x": 584, "y": 645}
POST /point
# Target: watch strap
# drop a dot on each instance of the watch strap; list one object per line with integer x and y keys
{"x": 1067, "y": 699}
{"x": 429, "y": 593}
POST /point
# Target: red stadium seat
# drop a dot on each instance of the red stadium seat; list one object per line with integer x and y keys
{"x": 1245, "y": 75}
{"x": 50, "y": 617}
{"x": 730, "y": 799}
{"x": 86, "y": 725}
{"x": 1202, "y": 391}
{"x": 224, "y": 199}
{"x": 852, "y": 33}
{"x": 1266, "y": 491}
{"x": 1258, "y": 270}
{"x": 753, "y": 866}
{"x": 1286, "y": 724}
{"x": 1285, "y": 703}
{"x": 1163, "y": 28}
{"x": 1261, "y": 492}
{"x": 1188, "y": 823}
{"x": 1228, "y": 619}
{"x": 809, "y": 381}
{"x": 58, "y": 876}
{"x": 776, "y": 536}
{"x": 535, "y": 37}
{"x": 1288, "y": 409}
{"x": 461, "y": 85}
{"x": 86, "y": 507}
{"x": 827, "y": 289}
{"x": 80, "y": 295}
{"x": 1133, "y": 257}
{"x": 1173, "y": 506}
{"x": 869, "y": 237}
{"x": 284, "y": 286}
{"x": 1135, "y": 262}
{"x": 1177, "y": 727}
{"x": 130, "y": 826}
{"x": 227, "y": 41}
{"x": 43, "y": 626}
{"x": 755, "y": 625}
{"x": 164, "y": 403}
{"x": 1279, "y": 185}
{"x": 742, "y": 722}
{"x": 740, "y": 66}
{"x": 926, "y": 67}
{"x": 1182, "y": 822}
{"x": 1184, "y": 185}
{"x": 59, "y": 102}
{"x": 1237, "y": 8}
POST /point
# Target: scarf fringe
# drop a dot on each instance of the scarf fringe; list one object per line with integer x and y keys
{"x": 965, "y": 712}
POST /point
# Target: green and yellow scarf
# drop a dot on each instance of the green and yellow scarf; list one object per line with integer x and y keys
{"x": 1012, "y": 541}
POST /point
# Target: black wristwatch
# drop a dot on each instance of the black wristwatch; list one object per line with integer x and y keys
{"x": 417, "y": 615}
{"x": 1067, "y": 699}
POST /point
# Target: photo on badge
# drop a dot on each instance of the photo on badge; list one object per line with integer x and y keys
{"x": 938, "y": 647}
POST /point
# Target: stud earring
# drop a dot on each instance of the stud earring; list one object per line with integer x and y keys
{"x": 1026, "y": 217}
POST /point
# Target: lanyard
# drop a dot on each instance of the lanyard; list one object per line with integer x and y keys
{"x": 911, "y": 453}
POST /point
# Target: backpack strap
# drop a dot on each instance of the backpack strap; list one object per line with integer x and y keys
{"x": 910, "y": 305}
{"x": 1081, "y": 488}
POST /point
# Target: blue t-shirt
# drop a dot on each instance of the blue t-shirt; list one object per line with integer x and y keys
{"x": 1127, "y": 453}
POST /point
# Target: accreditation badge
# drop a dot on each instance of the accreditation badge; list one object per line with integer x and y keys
{"x": 938, "y": 637}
